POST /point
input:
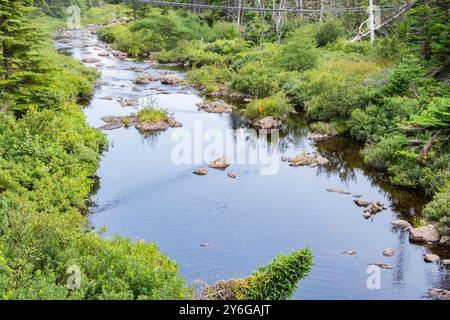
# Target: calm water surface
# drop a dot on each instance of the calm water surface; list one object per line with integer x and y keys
{"x": 249, "y": 220}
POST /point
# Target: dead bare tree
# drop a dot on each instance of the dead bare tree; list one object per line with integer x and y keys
{"x": 279, "y": 17}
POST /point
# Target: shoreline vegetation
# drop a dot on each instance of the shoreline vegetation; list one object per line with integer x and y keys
{"x": 393, "y": 97}
{"x": 49, "y": 156}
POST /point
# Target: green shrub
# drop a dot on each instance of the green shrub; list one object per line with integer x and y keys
{"x": 328, "y": 32}
{"x": 225, "y": 30}
{"x": 275, "y": 281}
{"x": 209, "y": 78}
{"x": 276, "y": 106}
{"x": 256, "y": 80}
{"x": 151, "y": 114}
{"x": 435, "y": 116}
{"x": 324, "y": 128}
{"x": 297, "y": 54}
{"x": 386, "y": 152}
{"x": 333, "y": 98}
{"x": 438, "y": 210}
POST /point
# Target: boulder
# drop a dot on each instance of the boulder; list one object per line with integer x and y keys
{"x": 367, "y": 215}
{"x": 313, "y": 160}
{"x": 268, "y": 123}
{"x": 131, "y": 102}
{"x": 106, "y": 98}
{"x": 90, "y": 60}
{"x": 170, "y": 79}
{"x": 430, "y": 257}
{"x": 220, "y": 163}
{"x": 350, "y": 252}
{"x": 218, "y": 106}
{"x": 446, "y": 262}
{"x": 136, "y": 69}
{"x": 201, "y": 171}
{"x": 146, "y": 79}
{"x": 103, "y": 54}
{"x": 401, "y": 224}
{"x": 388, "y": 252}
{"x": 361, "y": 203}
{"x": 440, "y": 294}
{"x": 157, "y": 126}
{"x": 374, "y": 207}
{"x": 152, "y": 126}
{"x": 232, "y": 174}
{"x": 427, "y": 234}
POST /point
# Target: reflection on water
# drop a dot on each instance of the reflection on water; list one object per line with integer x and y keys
{"x": 248, "y": 220}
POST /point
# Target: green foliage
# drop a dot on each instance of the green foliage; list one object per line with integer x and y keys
{"x": 276, "y": 106}
{"x": 209, "y": 78}
{"x": 324, "y": 128}
{"x": 333, "y": 98}
{"x": 278, "y": 280}
{"x": 386, "y": 152}
{"x": 375, "y": 121}
{"x": 435, "y": 116}
{"x": 404, "y": 77}
{"x": 328, "y": 32}
{"x": 122, "y": 39}
{"x": 426, "y": 27}
{"x": 297, "y": 54}
{"x": 256, "y": 80}
{"x": 438, "y": 210}
{"x": 151, "y": 114}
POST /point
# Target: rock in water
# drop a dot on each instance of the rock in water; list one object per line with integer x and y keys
{"x": 337, "y": 190}
{"x": 268, "y": 123}
{"x": 428, "y": 234}
{"x": 388, "y": 252}
{"x": 446, "y": 262}
{"x": 218, "y": 106}
{"x": 367, "y": 215}
{"x": 445, "y": 240}
{"x": 201, "y": 171}
{"x": 232, "y": 174}
{"x": 350, "y": 252}
{"x": 220, "y": 163}
{"x": 401, "y": 224}
{"x": 439, "y": 293}
{"x": 429, "y": 257}
{"x": 146, "y": 79}
{"x": 170, "y": 80}
{"x": 91, "y": 60}
{"x": 132, "y": 102}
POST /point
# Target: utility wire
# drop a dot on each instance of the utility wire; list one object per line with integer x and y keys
{"x": 286, "y": 10}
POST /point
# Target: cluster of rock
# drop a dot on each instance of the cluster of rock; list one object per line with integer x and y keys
{"x": 166, "y": 79}
{"x": 116, "y": 122}
{"x": 220, "y": 164}
{"x": 131, "y": 102}
{"x": 313, "y": 160}
{"x": 218, "y": 106}
{"x": 370, "y": 207}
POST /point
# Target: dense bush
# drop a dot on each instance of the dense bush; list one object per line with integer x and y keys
{"x": 438, "y": 210}
{"x": 276, "y": 106}
{"x": 297, "y": 54}
{"x": 328, "y": 32}
{"x": 209, "y": 78}
{"x": 256, "y": 80}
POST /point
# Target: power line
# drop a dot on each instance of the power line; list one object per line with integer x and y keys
{"x": 285, "y": 10}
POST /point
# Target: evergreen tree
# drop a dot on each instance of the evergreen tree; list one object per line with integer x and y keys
{"x": 18, "y": 40}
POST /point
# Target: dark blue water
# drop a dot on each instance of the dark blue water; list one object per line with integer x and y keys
{"x": 249, "y": 220}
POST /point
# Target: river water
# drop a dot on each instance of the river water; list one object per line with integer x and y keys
{"x": 216, "y": 227}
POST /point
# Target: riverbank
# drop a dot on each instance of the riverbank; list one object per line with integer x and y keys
{"x": 382, "y": 98}
{"x": 209, "y": 223}
{"x": 49, "y": 156}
